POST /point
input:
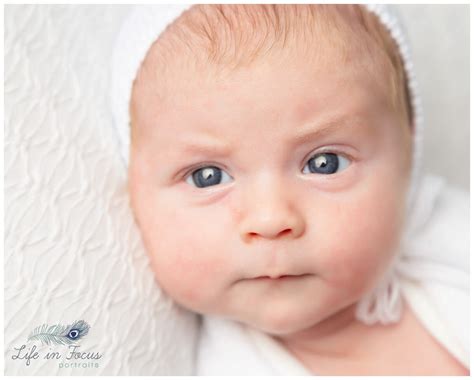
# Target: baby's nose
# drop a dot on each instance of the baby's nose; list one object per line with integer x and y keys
{"x": 270, "y": 213}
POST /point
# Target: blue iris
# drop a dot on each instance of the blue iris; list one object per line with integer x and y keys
{"x": 324, "y": 163}
{"x": 207, "y": 176}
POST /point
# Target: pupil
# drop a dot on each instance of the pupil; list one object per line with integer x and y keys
{"x": 208, "y": 176}
{"x": 207, "y": 173}
{"x": 325, "y": 163}
{"x": 321, "y": 161}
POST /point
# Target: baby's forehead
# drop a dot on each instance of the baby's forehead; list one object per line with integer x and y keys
{"x": 275, "y": 95}
{"x": 213, "y": 41}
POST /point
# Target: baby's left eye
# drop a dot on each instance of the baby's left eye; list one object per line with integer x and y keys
{"x": 326, "y": 163}
{"x": 207, "y": 176}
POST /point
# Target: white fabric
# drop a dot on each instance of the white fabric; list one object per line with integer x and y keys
{"x": 147, "y": 22}
{"x": 139, "y": 30}
{"x": 72, "y": 249}
{"x": 439, "y": 298}
{"x": 231, "y": 348}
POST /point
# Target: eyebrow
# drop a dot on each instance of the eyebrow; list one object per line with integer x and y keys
{"x": 210, "y": 144}
{"x": 314, "y": 130}
{"x": 206, "y": 143}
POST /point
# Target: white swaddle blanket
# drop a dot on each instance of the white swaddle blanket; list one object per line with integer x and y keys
{"x": 432, "y": 275}
{"x": 431, "y": 272}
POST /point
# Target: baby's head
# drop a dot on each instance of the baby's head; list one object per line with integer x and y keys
{"x": 270, "y": 141}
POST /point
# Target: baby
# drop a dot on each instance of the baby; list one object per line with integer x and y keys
{"x": 270, "y": 166}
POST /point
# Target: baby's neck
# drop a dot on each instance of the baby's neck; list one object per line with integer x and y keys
{"x": 341, "y": 345}
{"x": 340, "y": 335}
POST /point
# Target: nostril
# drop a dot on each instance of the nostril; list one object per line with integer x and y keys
{"x": 285, "y": 232}
{"x": 253, "y": 235}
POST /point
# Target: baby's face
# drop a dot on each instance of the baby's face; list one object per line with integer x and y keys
{"x": 280, "y": 169}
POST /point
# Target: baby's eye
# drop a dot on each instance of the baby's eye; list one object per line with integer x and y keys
{"x": 207, "y": 176}
{"x": 326, "y": 163}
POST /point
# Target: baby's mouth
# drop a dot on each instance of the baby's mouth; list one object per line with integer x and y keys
{"x": 280, "y": 278}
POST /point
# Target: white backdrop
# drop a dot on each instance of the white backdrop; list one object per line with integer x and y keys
{"x": 439, "y": 36}
{"x": 72, "y": 250}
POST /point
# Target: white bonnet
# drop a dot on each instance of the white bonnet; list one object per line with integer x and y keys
{"x": 143, "y": 26}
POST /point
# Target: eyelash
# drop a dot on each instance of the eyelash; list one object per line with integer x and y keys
{"x": 311, "y": 156}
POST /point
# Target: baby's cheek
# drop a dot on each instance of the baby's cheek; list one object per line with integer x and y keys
{"x": 371, "y": 232}
{"x": 189, "y": 262}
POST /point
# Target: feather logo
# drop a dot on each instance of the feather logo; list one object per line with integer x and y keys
{"x": 60, "y": 334}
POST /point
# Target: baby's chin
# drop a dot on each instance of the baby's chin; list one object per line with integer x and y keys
{"x": 284, "y": 327}
{"x": 286, "y": 323}
{"x": 302, "y": 319}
